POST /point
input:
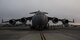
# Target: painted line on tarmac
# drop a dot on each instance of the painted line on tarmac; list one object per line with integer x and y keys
{"x": 42, "y": 36}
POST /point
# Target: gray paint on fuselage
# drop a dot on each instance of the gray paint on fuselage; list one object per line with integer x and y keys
{"x": 39, "y": 19}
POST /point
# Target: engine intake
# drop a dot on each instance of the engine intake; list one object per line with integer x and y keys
{"x": 23, "y": 20}
{"x": 55, "y": 20}
{"x": 65, "y": 21}
{"x": 12, "y": 21}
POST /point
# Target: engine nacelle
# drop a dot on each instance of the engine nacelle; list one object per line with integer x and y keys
{"x": 55, "y": 20}
{"x": 65, "y": 21}
{"x": 12, "y": 21}
{"x": 23, "y": 20}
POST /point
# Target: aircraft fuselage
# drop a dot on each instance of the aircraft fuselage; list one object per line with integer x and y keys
{"x": 39, "y": 20}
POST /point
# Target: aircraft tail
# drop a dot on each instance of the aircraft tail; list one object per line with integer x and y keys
{"x": 37, "y": 12}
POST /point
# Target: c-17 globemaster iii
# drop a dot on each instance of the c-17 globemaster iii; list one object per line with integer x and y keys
{"x": 39, "y": 20}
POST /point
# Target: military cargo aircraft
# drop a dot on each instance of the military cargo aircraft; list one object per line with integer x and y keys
{"x": 39, "y": 20}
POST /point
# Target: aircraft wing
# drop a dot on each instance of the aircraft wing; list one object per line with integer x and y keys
{"x": 53, "y": 19}
{"x": 50, "y": 18}
{"x": 22, "y": 20}
{"x": 64, "y": 21}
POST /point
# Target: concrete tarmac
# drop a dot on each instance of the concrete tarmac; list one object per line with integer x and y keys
{"x": 60, "y": 34}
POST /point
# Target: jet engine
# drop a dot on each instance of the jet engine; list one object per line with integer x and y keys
{"x": 55, "y": 20}
{"x": 12, "y": 21}
{"x": 65, "y": 21}
{"x": 23, "y": 20}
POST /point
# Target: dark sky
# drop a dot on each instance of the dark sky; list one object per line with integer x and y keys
{"x": 68, "y": 9}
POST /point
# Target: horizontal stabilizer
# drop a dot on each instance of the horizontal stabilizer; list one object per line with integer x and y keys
{"x": 38, "y": 12}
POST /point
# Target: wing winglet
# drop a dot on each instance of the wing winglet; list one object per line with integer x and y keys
{"x": 2, "y": 20}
